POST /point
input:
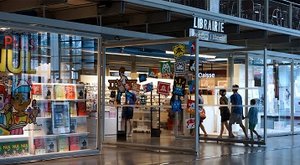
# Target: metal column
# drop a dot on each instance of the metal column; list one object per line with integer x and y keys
{"x": 265, "y": 95}
{"x": 292, "y": 96}
{"x": 101, "y": 94}
{"x": 246, "y": 89}
{"x": 197, "y": 146}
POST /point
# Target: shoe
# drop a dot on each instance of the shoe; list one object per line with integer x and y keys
{"x": 219, "y": 137}
{"x": 231, "y": 136}
{"x": 205, "y": 135}
{"x": 129, "y": 135}
{"x": 258, "y": 137}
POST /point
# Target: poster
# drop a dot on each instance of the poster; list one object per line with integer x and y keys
{"x": 60, "y": 118}
{"x": 153, "y": 72}
{"x": 179, "y": 67}
{"x": 163, "y": 88}
{"x": 166, "y": 71}
{"x": 179, "y": 86}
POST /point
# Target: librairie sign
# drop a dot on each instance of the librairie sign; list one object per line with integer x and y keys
{"x": 208, "y": 30}
{"x": 209, "y": 25}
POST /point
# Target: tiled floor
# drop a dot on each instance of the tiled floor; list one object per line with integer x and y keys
{"x": 279, "y": 150}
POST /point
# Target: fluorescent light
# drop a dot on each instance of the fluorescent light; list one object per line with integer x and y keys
{"x": 218, "y": 59}
{"x": 4, "y": 28}
{"x": 169, "y": 52}
{"x": 201, "y": 55}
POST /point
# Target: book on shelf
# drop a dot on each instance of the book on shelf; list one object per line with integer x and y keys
{"x": 15, "y": 148}
{"x": 43, "y": 127}
{"x": 81, "y": 108}
{"x": 73, "y": 125}
{"x": 45, "y": 108}
{"x": 60, "y": 117}
{"x": 70, "y": 92}
{"x": 39, "y": 146}
{"x": 48, "y": 91}
{"x": 36, "y": 91}
{"x": 73, "y": 109}
{"x": 59, "y": 92}
{"x": 83, "y": 142}
{"x": 80, "y": 91}
{"x": 63, "y": 143}
{"x": 74, "y": 143}
{"x": 51, "y": 144}
{"x": 81, "y": 124}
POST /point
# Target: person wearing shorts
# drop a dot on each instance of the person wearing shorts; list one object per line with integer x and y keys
{"x": 224, "y": 111}
{"x": 253, "y": 120}
{"x": 127, "y": 110}
{"x": 236, "y": 111}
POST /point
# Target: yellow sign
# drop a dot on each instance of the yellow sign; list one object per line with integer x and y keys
{"x": 7, "y": 62}
{"x": 179, "y": 50}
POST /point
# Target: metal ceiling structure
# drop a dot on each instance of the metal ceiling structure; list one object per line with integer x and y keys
{"x": 158, "y": 17}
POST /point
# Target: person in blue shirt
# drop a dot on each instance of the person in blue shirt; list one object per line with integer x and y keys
{"x": 127, "y": 110}
{"x": 252, "y": 116}
{"x": 236, "y": 111}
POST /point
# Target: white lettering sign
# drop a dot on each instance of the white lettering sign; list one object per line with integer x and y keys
{"x": 210, "y": 25}
{"x": 206, "y": 75}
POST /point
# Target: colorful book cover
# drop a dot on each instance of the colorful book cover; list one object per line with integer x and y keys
{"x": 36, "y": 91}
{"x": 16, "y": 148}
{"x": 59, "y": 92}
{"x": 81, "y": 108}
{"x": 39, "y": 146}
{"x": 73, "y": 125}
{"x": 43, "y": 127}
{"x": 83, "y": 142}
{"x": 81, "y": 124}
{"x": 60, "y": 118}
{"x": 80, "y": 91}
{"x": 73, "y": 109}
{"x": 74, "y": 143}
{"x": 48, "y": 91}
{"x": 70, "y": 92}
{"x": 51, "y": 144}
{"x": 63, "y": 143}
{"x": 49, "y": 130}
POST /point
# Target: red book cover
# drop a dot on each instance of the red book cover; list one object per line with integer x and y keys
{"x": 70, "y": 91}
{"x": 74, "y": 143}
{"x": 36, "y": 89}
{"x": 81, "y": 108}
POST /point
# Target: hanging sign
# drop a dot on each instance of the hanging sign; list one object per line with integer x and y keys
{"x": 208, "y": 36}
{"x": 163, "y": 88}
{"x": 179, "y": 86}
{"x": 166, "y": 71}
{"x": 153, "y": 72}
{"x": 148, "y": 87}
{"x": 208, "y": 25}
{"x": 179, "y": 50}
{"x": 179, "y": 67}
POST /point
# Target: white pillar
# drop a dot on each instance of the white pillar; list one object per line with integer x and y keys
{"x": 214, "y": 6}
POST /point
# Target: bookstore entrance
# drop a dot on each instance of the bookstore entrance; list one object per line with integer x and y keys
{"x": 151, "y": 98}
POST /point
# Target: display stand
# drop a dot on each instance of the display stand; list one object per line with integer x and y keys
{"x": 121, "y": 134}
{"x": 155, "y": 120}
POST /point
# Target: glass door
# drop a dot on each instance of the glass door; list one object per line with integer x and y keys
{"x": 297, "y": 96}
{"x": 279, "y": 96}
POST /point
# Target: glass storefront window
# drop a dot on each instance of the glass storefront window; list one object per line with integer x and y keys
{"x": 45, "y": 96}
{"x": 279, "y": 95}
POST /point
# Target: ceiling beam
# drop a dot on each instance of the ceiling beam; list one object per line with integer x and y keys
{"x": 76, "y": 13}
{"x": 17, "y": 5}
